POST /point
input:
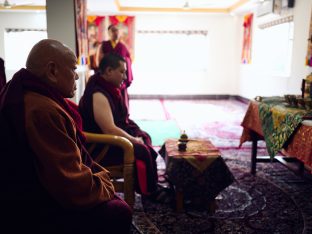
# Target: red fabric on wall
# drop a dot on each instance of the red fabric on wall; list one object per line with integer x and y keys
{"x": 96, "y": 30}
{"x": 246, "y": 53}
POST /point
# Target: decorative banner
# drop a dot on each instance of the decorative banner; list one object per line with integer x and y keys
{"x": 125, "y": 25}
{"x": 246, "y": 51}
{"x": 96, "y": 30}
{"x": 96, "y": 27}
{"x": 308, "y": 61}
{"x": 81, "y": 31}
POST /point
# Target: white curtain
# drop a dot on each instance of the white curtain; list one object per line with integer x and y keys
{"x": 17, "y": 44}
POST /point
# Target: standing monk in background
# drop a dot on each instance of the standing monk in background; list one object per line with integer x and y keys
{"x": 115, "y": 46}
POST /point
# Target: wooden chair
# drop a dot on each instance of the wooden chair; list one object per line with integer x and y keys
{"x": 122, "y": 175}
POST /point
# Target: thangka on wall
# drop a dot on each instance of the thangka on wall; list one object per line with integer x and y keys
{"x": 96, "y": 30}
{"x": 81, "y": 31}
{"x": 247, "y": 38}
{"x": 309, "y": 52}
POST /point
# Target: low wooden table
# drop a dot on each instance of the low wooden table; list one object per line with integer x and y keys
{"x": 200, "y": 171}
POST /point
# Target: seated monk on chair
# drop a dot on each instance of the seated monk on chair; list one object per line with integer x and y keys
{"x": 103, "y": 110}
{"x": 49, "y": 183}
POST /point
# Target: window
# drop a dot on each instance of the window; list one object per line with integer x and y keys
{"x": 173, "y": 51}
{"x": 273, "y": 49}
{"x": 17, "y": 44}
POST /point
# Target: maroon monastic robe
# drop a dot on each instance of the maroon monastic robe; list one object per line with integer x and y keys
{"x": 27, "y": 204}
{"x": 121, "y": 50}
{"x": 144, "y": 154}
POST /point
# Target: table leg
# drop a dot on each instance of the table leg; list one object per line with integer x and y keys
{"x": 212, "y": 206}
{"x": 254, "y": 154}
{"x": 179, "y": 201}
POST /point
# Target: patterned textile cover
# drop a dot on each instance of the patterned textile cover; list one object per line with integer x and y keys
{"x": 251, "y": 122}
{"x": 199, "y": 153}
{"x": 278, "y": 122}
{"x": 301, "y": 145}
{"x": 198, "y": 171}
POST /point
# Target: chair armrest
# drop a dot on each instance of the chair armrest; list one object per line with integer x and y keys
{"x": 122, "y": 142}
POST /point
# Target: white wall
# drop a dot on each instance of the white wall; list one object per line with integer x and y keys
{"x": 29, "y": 20}
{"x": 221, "y": 76}
{"x": 226, "y": 75}
{"x": 253, "y": 82}
{"x": 37, "y": 20}
{"x": 61, "y": 22}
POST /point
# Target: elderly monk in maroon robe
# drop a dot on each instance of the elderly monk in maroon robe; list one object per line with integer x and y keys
{"x": 114, "y": 45}
{"x": 103, "y": 110}
{"x": 49, "y": 183}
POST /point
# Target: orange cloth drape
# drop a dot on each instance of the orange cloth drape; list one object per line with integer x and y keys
{"x": 246, "y": 53}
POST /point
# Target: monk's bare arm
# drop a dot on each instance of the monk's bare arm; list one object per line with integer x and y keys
{"x": 104, "y": 118}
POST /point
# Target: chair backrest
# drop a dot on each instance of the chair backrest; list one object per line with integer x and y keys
{"x": 122, "y": 175}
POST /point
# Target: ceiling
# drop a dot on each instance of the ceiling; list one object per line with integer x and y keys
{"x": 178, "y": 3}
{"x": 137, "y": 6}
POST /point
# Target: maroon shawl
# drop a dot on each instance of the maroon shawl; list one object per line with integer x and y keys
{"x": 14, "y": 145}
{"x": 13, "y": 96}
{"x": 21, "y": 189}
{"x": 119, "y": 110}
{"x": 23, "y": 199}
{"x": 118, "y": 106}
{"x": 144, "y": 154}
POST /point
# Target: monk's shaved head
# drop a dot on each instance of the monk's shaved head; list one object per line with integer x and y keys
{"x": 55, "y": 64}
{"x": 45, "y": 52}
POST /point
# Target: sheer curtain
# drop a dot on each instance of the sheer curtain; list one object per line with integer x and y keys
{"x": 17, "y": 44}
{"x": 174, "y": 51}
{"x": 167, "y": 61}
{"x": 273, "y": 48}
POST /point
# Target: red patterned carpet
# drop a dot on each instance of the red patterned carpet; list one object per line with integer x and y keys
{"x": 274, "y": 201}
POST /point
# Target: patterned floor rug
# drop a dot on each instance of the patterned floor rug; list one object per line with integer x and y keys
{"x": 275, "y": 200}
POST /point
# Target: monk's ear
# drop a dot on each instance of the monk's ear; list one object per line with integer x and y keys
{"x": 52, "y": 72}
{"x": 109, "y": 70}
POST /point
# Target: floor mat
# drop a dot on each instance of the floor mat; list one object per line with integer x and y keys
{"x": 160, "y": 130}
